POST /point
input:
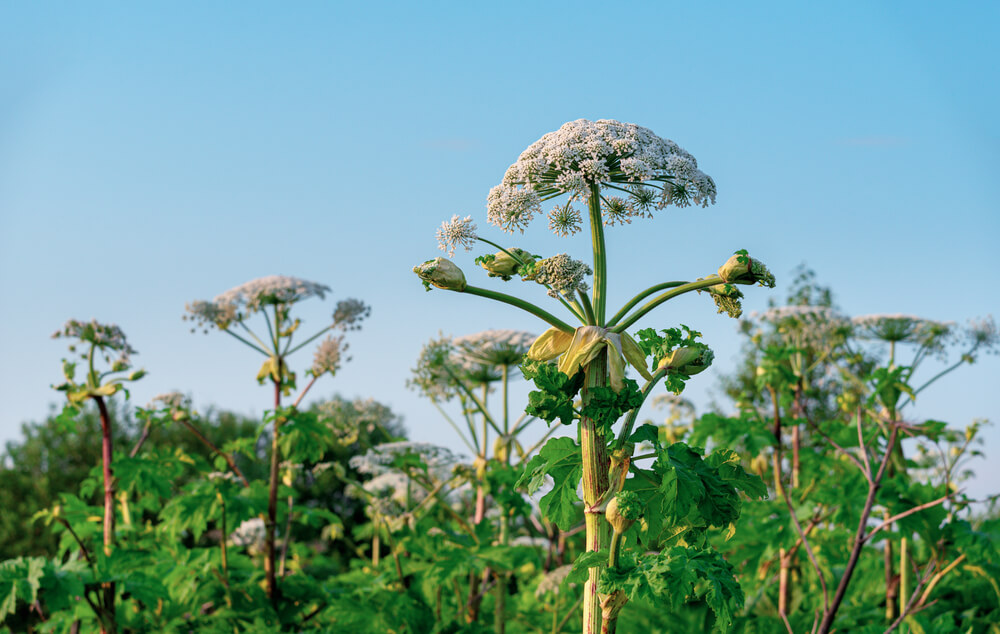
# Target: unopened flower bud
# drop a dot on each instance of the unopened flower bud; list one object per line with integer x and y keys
{"x": 742, "y": 269}
{"x": 502, "y": 265}
{"x": 441, "y": 273}
{"x": 623, "y": 510}
{"x": 689, "y": 360}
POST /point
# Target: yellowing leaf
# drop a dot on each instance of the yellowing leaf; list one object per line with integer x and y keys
{"x": 550, "y": 344}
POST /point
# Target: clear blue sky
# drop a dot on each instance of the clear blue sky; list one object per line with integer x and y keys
{"x": 155, "y": 153}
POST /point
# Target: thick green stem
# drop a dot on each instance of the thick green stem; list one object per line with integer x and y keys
{"x": 600, "y": 256}
{"x": 680, "y": 290}
{"x": 544, "y": 315}
{"x": 595, "y": 485}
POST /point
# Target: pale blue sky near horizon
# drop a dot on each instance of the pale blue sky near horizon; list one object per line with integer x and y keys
{"x": 158, "y": 153}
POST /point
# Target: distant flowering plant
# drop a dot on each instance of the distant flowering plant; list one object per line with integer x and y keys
{"x": 617, "y": 172}
{"x": 273, "y": 298}
{"x": 98, "y": 341}
{"x": 898, "y": 328}
{"x": 494, "y": 347}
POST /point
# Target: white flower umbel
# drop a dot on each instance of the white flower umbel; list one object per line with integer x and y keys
{"x": 379, "y": 459}
{"x": 169, "y": 400}
{"x": 494, "y": 347}
{"x": 436, "y": 371}
{"x": 983, "y": 334}
{"x": 609, "y": 153}
{"x": 457, "y": 232}
{"x": 249, "y": 533}
{"x": 247, "y": 298}
{"x": 901, "y": 328}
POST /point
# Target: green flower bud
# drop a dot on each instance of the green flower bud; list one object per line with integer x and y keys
{"x": 441, "y": 273}
{"x": 623, "y": 510}
{"x": 689, "y": 360}
{"x": 502, "y": 265}
{"x": 742, "y": 269}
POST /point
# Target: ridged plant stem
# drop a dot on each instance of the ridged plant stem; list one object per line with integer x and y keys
{"x": 595, "y": 485}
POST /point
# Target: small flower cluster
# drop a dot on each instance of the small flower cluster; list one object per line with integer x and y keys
{"x": 561, "y": 272}
{"x": 347, "y": 419}
{"x": 206, "y": 314}
{"x": 106, "y": 338}
{"x": 349, "y": 314}
{"x": 983, "y": 334}
{"x": 238, "y": 303}
{"x": 250, "y": 533}
{"x": 582, "y": 154}
{"x": 552, "y": 581}
{"x": 457, "y": 232}
{"x": 103, "y": 336}
{"x": 436, "y": 371}
{"x": 329, "y": 356}
{"x": 564, "y": 220}
{"x": 391, "y": 482}
{"x": 379, "y": 459}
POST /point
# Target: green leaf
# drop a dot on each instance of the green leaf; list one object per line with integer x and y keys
{"x": 554, "y": 397}
{"x": 303, "y": 438}
{"x": 675, "y": 577}
{"x": 560, "y": 459}
{"x": 646, "y": 433}
{"x": 727, "y": 463}
{"x": 582, "y": 566}
{"x": 605, "y": 406}
{"x": 19, "y": 580}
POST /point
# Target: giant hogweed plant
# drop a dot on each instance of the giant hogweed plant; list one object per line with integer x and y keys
{"x": 614, "y": 173}
{"x": 297, "y": 435}
{"x": 815, "y": 389}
